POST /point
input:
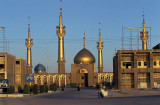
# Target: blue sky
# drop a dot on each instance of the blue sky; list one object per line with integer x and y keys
{"x": 79, "y": 16}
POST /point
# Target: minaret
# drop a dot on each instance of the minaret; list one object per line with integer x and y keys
{"x": 61, "y": 33}
{"x": 29, "y": 44}
{"x": 100, "y": 57}
{"x": 144, "y": 36}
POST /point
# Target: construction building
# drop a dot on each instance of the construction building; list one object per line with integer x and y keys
{"x": 137, "y": 68}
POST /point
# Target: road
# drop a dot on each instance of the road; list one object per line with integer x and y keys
{"x": 70, "y": 96}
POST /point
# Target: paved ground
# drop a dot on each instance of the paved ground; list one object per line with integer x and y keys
{"x": 84, "y": 97}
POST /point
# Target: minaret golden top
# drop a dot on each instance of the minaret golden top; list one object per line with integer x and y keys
{"x": 100, "y": 43}
{"x": 144, "y": 36}
{"x": 60, "y": 29}
{"x": 29, "y": 41}
{"x": 84, "y": 40}
{"x": 144, "y": 26}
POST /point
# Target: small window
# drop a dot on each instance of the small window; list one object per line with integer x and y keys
{"x": 155, "y": 63}
{"x": 145, "y": 63}
{"x": 17, "y": 62}
{"x": 1, "y": 66}
{"x": 139, "y": 63}
{"x": 82, "y": 77}
{"x": 124, "y": 63}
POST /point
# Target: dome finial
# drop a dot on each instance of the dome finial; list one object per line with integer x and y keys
{"x": 84, "y": 40}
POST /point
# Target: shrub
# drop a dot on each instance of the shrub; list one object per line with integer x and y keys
{"x": 10, "y": 90}
{"x": 46, "y": 89}
{"x": 5, "y": 90}
{"x": 26, "y": 89}
{"x": 53, "y": 87}
{"x": 35, "y": 89}
{"x": 19, "y": 89}
{"x": 41, "y": 88}
{"x": 13, "y": 89}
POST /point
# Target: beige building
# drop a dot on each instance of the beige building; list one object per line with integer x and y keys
{"x": 7, "y": 67}
{"x": 20, "y": 73}
{"x": 13, "y": 69}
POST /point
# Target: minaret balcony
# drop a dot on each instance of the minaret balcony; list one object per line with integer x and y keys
{"x": 58, "y": 29}
{"x": 29, "y": 43}
{"x": 144, "y": 38}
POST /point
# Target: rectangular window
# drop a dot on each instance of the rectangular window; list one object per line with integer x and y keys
{"x": 127, "y": 64}
{"x": 145, "y": 63}
{"x": 155, "y": 63}
{"x": 1, "y": 66}
{"x": 139, "y": 63}
{"x": 2, "y": 75}
{"x": 17, "y": 62}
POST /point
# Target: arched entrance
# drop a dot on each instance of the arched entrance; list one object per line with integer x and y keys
{"x": 83, "y": 77}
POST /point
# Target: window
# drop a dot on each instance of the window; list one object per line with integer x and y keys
{"x": 2, "y": 75}
{"x": 145, "y": 63}
{"x": 17, "y": 62}
{"x": 127, "y": 64}
{"x": 154, "y": 63}
{"x": 82, "y": 77}
{"x": 139, "y": 63}
{"x": 1, "y": 66}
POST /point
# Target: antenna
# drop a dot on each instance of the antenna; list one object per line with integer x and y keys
{"x": 28, "y": 19}
{"x": 84, "y": 39}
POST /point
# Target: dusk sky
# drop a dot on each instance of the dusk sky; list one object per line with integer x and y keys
{"x": 79, "y": 16}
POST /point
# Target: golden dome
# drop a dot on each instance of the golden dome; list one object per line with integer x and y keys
{"x": 84, "y": 56}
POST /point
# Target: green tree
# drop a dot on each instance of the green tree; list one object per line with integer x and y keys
{"x": 13, "y": 89}
{"x": 19, "y": 89}
{"x": 35, "y": 89}
{"x": 26, "y": 89}
{"x": 41, "y": 88}
{"x": 46, "y": 89}
{"x": 53, "y": 87}
{"x": 10, "y": 90}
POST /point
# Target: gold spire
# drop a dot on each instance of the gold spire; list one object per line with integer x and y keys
{"x": 29, "y": 44}
{"x": 100, "y": 57}
{"x": 61, "y": 33}
{"x": 84, "y": 40}
{"x": 144, "y": 36}
{"x": 99, "y": 35}
{"x": 60, "y": 21}
{"x": 144, "y": 29}
{"x": 29, "y": 36}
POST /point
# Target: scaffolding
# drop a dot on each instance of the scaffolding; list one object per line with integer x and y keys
{"x": 4, "y": 43}
{"x": 131, "y": 38}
